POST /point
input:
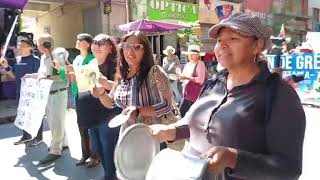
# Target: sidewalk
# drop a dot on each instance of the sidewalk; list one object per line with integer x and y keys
{"x": 19, "y": 162}
{"x": 8, "y": 110}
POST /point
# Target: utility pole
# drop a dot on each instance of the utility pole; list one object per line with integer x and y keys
{"x": 128, "y": 10}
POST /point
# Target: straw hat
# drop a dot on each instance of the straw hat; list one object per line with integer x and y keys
{"x": 168, "y": 48}
{"x": 194, "y": 49}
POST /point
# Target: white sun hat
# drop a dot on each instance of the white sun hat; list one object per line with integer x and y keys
{"x": 194, "y": 49}
{"x": 168, "y": 48}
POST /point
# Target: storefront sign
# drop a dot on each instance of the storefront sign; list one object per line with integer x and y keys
{"x": 306, "y": 64}
{"x": 107, "y": 7}
{"x": 172, "y": 11}
{"x": 213, "y": 11}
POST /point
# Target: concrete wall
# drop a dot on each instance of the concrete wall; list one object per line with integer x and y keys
{"x": 116, "y": 17}
{"x": 63, "y": 23}
{"x": 92, "y": 20}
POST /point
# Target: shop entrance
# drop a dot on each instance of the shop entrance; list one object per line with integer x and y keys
{"x": 156, "y": 42}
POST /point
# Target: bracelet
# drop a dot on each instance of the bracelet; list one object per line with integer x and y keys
{"x": 8, "y": 68}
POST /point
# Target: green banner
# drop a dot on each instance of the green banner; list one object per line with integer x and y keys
{"x": 172, "y": 11}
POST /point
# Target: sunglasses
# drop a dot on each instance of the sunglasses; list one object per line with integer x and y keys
{"x": 99, "y": 43}
{"x": 133, "y": 47}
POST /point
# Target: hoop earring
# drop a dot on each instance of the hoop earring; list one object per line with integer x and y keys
{"x": 255, "y": 59}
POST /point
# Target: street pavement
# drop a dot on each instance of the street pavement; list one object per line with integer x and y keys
{"x": 19, "y": 162}
{"x": 311, "y": 149}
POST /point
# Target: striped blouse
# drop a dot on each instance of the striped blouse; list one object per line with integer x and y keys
{"x": 155, "y": 92}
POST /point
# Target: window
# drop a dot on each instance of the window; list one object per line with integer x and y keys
{"x": 316, "y": 14}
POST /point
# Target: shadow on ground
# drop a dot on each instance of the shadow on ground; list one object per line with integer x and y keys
{"x": 10, "y": 130}
{"x": 63, "y": 167}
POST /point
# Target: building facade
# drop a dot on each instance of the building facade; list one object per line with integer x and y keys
{"x": 293, "y": 14}
{"x": 64, "y": 19}
{"x": 314, "y": 14}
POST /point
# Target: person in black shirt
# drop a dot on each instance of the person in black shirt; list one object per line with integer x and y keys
{"x": 95, "y": 115}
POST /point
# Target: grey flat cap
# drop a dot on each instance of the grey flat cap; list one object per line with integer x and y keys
{"x": 245, "y": 25}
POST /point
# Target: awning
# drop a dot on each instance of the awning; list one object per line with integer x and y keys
{"x": 15, "y": 4}
{"x": 150, "y": 26}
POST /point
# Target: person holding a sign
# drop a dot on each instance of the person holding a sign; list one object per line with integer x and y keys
{"x": 234, "y": 124}
{"x": 95, "y": 115}
{"x": 26, "y": 64}
{"x": 57, "y": 102}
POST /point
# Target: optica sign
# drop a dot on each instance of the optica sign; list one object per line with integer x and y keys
{"x": 172, "y": 11}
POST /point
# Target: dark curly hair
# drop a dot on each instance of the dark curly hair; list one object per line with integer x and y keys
{"x": 147, "y": 59}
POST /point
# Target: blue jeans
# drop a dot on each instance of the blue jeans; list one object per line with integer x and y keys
{"x": 105, "y": 139}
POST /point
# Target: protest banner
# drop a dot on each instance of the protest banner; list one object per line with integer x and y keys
{"x": 87, "y": 77}
{"x": 300, "y": 64}
{"x": 33, "y": 100}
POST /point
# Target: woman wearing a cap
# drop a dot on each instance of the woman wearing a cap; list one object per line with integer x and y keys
{"x": 171, "y": 65}
{"x": 193, "y": 77}
{"x": 228, "y": 123}
{"x": 83, "y": 44}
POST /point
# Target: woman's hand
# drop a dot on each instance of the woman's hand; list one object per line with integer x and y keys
{"x": 4, "y": 62}
{"x": 163, "y": 132}
{"x": 70, "y": 73}
{"x": 69, "y": 68}
{"x": 55, "y": 64}
{"x": 98, "y": 91}
{"x": 133, "y": 113}
{"x": 182, "y": 77}
{"x": 105, "y": 82}
{"x": 220, "y": 158}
